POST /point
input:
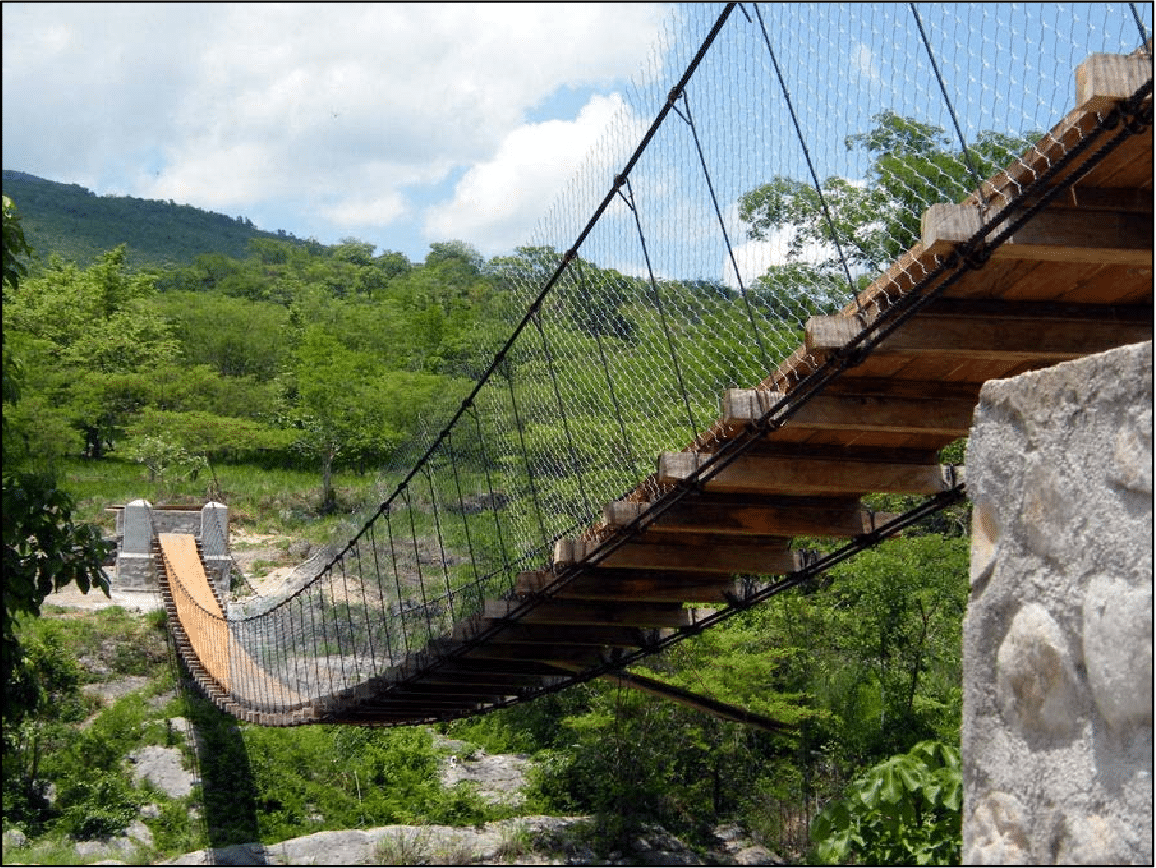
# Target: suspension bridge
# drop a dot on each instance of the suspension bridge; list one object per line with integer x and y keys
{"x": 677, "y": 404}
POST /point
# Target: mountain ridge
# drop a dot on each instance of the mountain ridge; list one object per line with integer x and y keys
{"x": 75, "y": 223}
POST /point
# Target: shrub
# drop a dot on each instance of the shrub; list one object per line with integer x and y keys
{"x": 905, "y": 810}
{"x": 97, "y": 808}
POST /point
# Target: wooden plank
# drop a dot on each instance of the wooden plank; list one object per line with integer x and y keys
{"x": 1083, "y": 198}
{"x": 785, "y": 516}
{"x": 853, "y": 384}
{"x": 772, "y": 474}
{"x": 1009, "y": 335}
{"x": 507, "y": 683}
{"x": 1105, "y": 79}
{"x": 593, "y": 614}
{"x": 730, "y": 558}
{"x": 470, "y": 667}
{"x": 1128, "y": 167}
{"x": 555, "y": 655}
{"x": 645, "y": 586}
{"x": 951, "y": 416}
{"x": 424, "y": 704}
{"x": 453, "y": 691}
{"x": 1056, "y": 235}
{"x": 525, "y": 633}
{"x": 212, "y": 646}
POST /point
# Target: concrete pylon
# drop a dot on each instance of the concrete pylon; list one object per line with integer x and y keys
{"x": 135, "y": 569}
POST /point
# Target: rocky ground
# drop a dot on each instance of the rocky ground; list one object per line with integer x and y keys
{"x": 266, "y": 562}
{"x": 530, "y": 840}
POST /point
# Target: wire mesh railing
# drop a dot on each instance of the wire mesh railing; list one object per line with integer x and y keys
{"x": 764, "y": 167}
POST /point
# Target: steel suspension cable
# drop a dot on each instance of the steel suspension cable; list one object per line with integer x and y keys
{"x": 628, "y": 198}
{"x": 365, "y": 612}
{"x": 384, "y": 616}
{"x": 584, "y": 281}
{"x": 807, "y": 155}
{"x": 1144, "y": 37}
{"x": 441, "y": 542}
{"x": 397, "y": 581}
{"x": 688, "y": 119}
{"x": 526, "y": 460}
{"x": 490, "y": 488}
{"x": 577, "y": 465}
{"x": 417, "y": 563}
{"x": 465, "y": 513}
{"x": 975, "y": 177}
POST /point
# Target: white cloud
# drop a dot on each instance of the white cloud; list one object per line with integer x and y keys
{"x": 754, "y": 258}
{"x": 503, "y": 198}
{"x": 345, "y": 110}
{"x": 863, "y": 61}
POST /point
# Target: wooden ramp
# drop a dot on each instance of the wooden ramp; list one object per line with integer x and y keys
{"x": 1076, "y": 279}
{"x": 219, "y": 664}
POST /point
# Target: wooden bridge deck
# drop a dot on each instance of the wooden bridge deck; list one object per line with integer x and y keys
{"x": 219, "y": 664}
{"x": 1075, "y": 280}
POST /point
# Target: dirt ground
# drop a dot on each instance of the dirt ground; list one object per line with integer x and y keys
{"x": 260, "y": 557}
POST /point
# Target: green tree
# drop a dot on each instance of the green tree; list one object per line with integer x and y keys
{"x": 187, "y": 440}
{"x": 236, "y": 336}
{"x": 913, "y": 167}
{"x": 348, "y": 409}
{"x": 44, "y": 550}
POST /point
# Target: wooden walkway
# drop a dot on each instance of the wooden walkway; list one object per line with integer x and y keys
{"x": 222, "y": 668}
{"x": 1076, "y": 279}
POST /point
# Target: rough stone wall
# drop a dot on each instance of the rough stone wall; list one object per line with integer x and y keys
{"x": 1057, "y": 712}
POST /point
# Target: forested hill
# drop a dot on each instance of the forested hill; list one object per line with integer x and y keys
{"x": 75, "y": 223}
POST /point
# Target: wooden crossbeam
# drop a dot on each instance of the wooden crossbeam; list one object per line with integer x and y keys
{"x": 1002, "y": 330}
{"x": 852, "y": 384}
{"x": 733, "y": 555}
{"x": 556, "y": 654}
{"x": 1104, "y": 79}
{"x": 487, "y": 681}
{"x": 469, "y": 667}
{"x": 639, "y": 586}
{"x": 476, "y": 692}
{"x": 593, "y": 614}
{"x": 1121, "y": 237}
{"x": 394, "y": 701}
{"x": 599, "y": 636}
{"x": 782, "y": 516}
{"x": 780, "y": 474}
{"x": 924, "y": 415}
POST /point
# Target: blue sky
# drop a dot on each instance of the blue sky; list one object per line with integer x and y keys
{"x": 405, "y": 124}
{"x": 399, "y": 124}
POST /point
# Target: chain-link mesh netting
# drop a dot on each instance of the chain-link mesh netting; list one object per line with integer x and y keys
{"x": 787, "y": 154}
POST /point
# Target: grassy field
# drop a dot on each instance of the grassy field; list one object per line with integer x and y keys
{"x": 260, "y": 500}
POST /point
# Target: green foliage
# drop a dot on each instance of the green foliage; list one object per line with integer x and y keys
{"x": 233, "y": 336}
{"x": 44, "y": 550}
{"x": 913, "y": 169}
{"x": 72, "y": 221}
{"x": 297, "y": 781}
{"x": 97, "y": 807}
{"x": 162, "y": 457}
{"x": 905, "y": 810}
